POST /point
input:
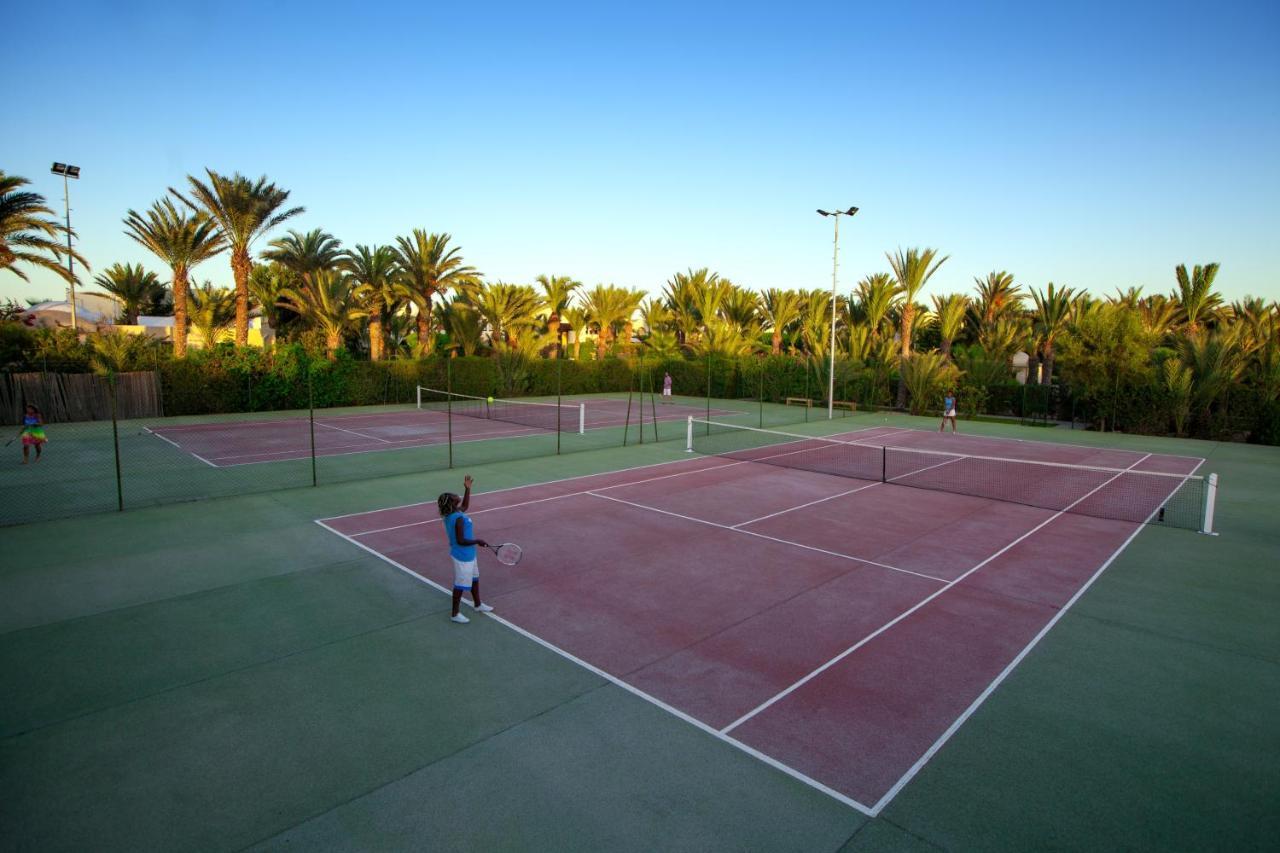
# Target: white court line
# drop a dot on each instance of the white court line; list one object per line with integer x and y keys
{"x": 597, "y": 488}
{"x": 770, "y": 538}
{"x": 803, "y": 506}
{"x": 1038, "y": 442}
{"x": 683, "y": 461}
{"x": 950, "y": 585}
{"x": 401, "y": 444}
{"x": 613, "y": 679}
{"x": 551, "y": 497}
{"x": 842, "y": 494}
{"x": 181, "y": 448}
{"x": 353, "y": 432}
{"x": 982, "y": 697}
{"x": 163, "y": 438}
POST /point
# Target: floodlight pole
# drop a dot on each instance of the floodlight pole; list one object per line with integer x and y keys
{"x": 66, "y": 171}
{"x": 835, "y": 265}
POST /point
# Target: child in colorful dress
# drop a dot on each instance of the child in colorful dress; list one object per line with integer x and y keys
{"x": 32, "y": 433}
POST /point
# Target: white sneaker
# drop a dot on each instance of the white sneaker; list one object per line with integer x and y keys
{"x": 484, "y": 608}
{"x": 460, "y": 619}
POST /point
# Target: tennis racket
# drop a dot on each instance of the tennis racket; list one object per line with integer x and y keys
{"x": 508, "y": 553}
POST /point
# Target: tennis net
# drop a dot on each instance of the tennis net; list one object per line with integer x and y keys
{"x": 563, "y": 417}
{"x": 1124, "y": 494}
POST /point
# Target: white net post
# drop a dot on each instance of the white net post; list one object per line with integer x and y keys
{"x": 1210, "y": 500}
{"x": 419, "y": 398}
{"x": 582, "y": 419}
{"x": 688, "y": 437}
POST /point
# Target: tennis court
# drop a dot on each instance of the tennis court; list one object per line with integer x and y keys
{"x": 838, "y": 620}
{"x": 231, "y": 443}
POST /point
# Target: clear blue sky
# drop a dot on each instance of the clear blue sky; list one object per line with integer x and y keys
{"x": 1092, "y": 144}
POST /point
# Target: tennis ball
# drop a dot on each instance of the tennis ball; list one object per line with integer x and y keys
{"x": 490, "y": 399}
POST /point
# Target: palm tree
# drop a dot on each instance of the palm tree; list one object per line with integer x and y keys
{"x": 306, "y": 254}
{"x": 265, "y": 283}
{"x": 657, "y": 317}
{"x": 608, "y": 309}
{"x": 429, "y": 267}
{"x": 926, "y": 375}
{"x": 740, "y": 308}
{"x": 244, "y": 210}
{"x": 26, "y": 236}
{"x": 950, "y": 311}
{"x": 1195, "y": 294}
{"x": 182, "y": 240}
{"x": 134, "y": 286}
{"x": 1049, "y": 319}
{"x": 375, "y": 268}
{"x": 780, "y": 310}
{"x": 332, "y": 302}
{"x": 997, "y": 296}
{"x": 462, "y": 323}
{"x": 213, "y": 312}
{"x": 578, "y": 321}
{"x": 1216, "y": 362}
{"x": 686, "y": 295}
{"x": 1159, "y": 314}
{"x": 877, "y": 297}
{"x": 815, "y": 320}
{"x": 1177, "y": 384}
{"x": 912, "y": 269}
{"x": 507, "y": 309}
{"x": 557, "y": 295}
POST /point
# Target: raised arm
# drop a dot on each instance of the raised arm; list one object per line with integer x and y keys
{"x": 466, "y": 492}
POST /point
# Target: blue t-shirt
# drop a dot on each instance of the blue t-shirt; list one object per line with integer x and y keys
{"x": 948, "y": 403}
{"x": 465, "y": 553}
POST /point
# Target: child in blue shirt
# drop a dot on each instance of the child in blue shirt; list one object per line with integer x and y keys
{"x": 462, "y": 548}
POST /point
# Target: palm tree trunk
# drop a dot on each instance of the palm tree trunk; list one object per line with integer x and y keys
{"x": 602, "y": 342}
{"x": 240, "y": 266}
{"x": 908, "y": 320}
{"x": 179, "y": 312}
{"x": 375, "y": 335}
{"x": 945, "y": 348}
{"x": 424, "y": 330}
{"x": 777, "y": 341}
{"x": 1046, "y": 375}
{"x": 332, "y": 340}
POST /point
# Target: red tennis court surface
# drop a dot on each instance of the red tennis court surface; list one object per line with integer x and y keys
{"x": 837, "y": 629}
{"x": 229, "y": 443}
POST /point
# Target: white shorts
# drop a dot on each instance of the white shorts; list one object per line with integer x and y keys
{"x": 464, "y": 572}
{"x": 949, "y": 413}
{"x": 666, "y": 392}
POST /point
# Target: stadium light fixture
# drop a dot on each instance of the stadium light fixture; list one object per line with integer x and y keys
{"x": 68, "y": 171}
{"x": 835, "y": 266}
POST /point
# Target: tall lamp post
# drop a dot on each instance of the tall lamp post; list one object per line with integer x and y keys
{"x": 67, "y": 171}
{"x": 835, "y": 265}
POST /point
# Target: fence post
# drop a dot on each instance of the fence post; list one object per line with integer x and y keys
{"x": 159, "y": 382}
{"x": 448, "y": 403}
{"x": 806, "y": 389}
{"x": 708, "y": 388}
{"x": 626, "y": 426}
{"x": 311, "y": 420}
{"x": 115, "y": 436}
{"x": 761, "y": 392}
{"x": 653, "y": 407}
